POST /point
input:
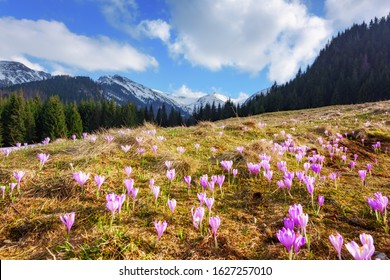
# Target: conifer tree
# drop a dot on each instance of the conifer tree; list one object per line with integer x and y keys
{"x": 14, "y": 129}
{"x": 73, "y": 120}
{"x": 53, "y": 119}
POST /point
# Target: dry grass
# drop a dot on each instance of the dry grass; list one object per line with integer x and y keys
{"x": 250, "y": 211}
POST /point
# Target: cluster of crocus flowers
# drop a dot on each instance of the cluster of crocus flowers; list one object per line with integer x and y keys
{"x": 42, "y": 159}
{"x": 287, "y": 235}
{"x": 379, "y": 204}
{"x": 68, "y": 219}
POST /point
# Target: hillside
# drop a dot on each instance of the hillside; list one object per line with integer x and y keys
{"x": 251, "y": 209}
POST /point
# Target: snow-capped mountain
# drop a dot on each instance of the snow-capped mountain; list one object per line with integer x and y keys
{"x": 253, "y": 96}
{"x": 216, "y": 98}
{"x": 122, "y": 90}
{"x": 13, "y": 73}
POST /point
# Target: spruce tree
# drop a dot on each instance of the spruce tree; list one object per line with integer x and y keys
{"x": 14, "y": 129}
{"x": 53, "y": 119}
{"x": 73, "y": 120}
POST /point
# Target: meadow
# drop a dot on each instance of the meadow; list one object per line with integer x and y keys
{"x": 222, "y": 190}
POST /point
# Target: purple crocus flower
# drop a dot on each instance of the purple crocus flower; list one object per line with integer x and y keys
{"x": 316, "y": 168}
{"x": 156, "y": 191}
{"x": 352, "y": 164}
{"x": 337, "y": 242}
{"x": 81, "y": 177}
{"x": 99, "y": 180}
{"x": 171, "y": 174}
{"x": 120, "y": 199}
{"x": 220, "y": 180}
{"x": 180, "y": 150}
{"x": 11, "y": 188}
{"x": 204, "y": 181}
{"x": 253, "y": 168}
{"x": 240, "y": 149}
{"x": 211, "y": 186}
{"x": 235, "y": 172}
{"x": 154, "y": 148}
{"x": 288, "y": 223}
{"x": 129, "y": 184}
{"x": 286, "y": 237}
{"x": 362, "y": 175}
{"x": 298, "y": 242}
{"x": 187, "y": 179}
{"x": 363, "y": 252}
{"x": 268, "y": 175}
{"x": 197, "y": 216}
{"x": 126, "y": 148}
{"x": 112, "y": 203}
{"x": 140, "y": 151}
{"x": 128, "y": 170}
{"x": 201, "y": 197}
{"x": 303, "y": 219}
{"x": 209, "y": 201}
{"x": 68, "y": 220}
{"x": 227, "y": 165}
{"x": 280, "y": 184}
{"x": 109, "y": 138}
{"x": 43, "y": 158}
{"x": 321, "y": 200}
{"x": 294, "y": 211}
{"x": 172, "y": 204}
{"x": 378, "y": 203}
{"x": 215, "y": 222}
{"x": 134, "y": 193}
{"x": 169, "y": 164}
{"x": 19, "y": 175}
{"x": 160, "y": 228}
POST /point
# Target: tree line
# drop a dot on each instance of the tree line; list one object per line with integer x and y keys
{"x": 30, "y": 120}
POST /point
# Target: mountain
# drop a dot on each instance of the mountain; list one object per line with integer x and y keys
{"x": 216, "y": 98}
{"x": 256, "y": 94}
{"x": 68, "y": 88}
{"x": 122, "y": 90}
{"x": 12, "y": 73}
{"x": 354, "y": 67}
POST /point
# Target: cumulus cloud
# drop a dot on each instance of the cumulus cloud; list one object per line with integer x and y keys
{"x": 54, "y": 42}
{"x": 344, "y": 13}
{"x": 185, "y": 91}
{"x": 248, "y": 35}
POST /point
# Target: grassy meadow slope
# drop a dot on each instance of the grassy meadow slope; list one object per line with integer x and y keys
{"x": 251, "y": 209}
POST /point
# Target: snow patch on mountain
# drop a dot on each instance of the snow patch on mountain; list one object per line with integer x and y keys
{"x": 13, "y": 73}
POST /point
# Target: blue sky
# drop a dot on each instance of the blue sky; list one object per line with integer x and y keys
{"x": 182, "y": 47}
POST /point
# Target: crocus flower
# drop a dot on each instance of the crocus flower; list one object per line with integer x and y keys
{"x": 253, "y": 168}
{"x": 154, "y": 148}
{"x": 227, "y": 165}
{"x": 84, "y": 135}
{"x": 128, "y": 170}
{"x": 234, "y": 172}
{"x": 303, "y": 219}
{"x": 215, "y": 222}
{"x": 180, "y": 150}
{"x": 378, "y": 203}
{"x": 171, "y": 174}
{"x": 197, "y": 146}
{"x": 201, "y": 197}
{"x": 120, "y": 199}
{"x": 160, "y": 227}
{"x": 362, "y": 175}
{"x": 112, "y": 203}
{"x": 168, "y": 164}
{"x": 187, "y": 179}
{"x": 286, "y": 237}
{"x": 125, "y": 148}
{"x": 211, "y": 185}
{"x": 298, "y": 242}
{"x": 109, "y": 138}
{"x": 140, "y": 151}
{"x": 220, "y": 180}
{"x": 197, "y": 216}
{"x": 352, "y": 164}
{"x": 156, "y": 191}
{"x": 19, "y": 175}
{"x": 288, "y": 223}
{"x": 11, "y": 188}
{"x": 68, "y": 220}
{"x": 129, "y": 184}
{"x": 240, "y": 149}
{"x": 81, "y": 177}
{"x": 43, "y": 158}
{"x": 99, "y": 180}
{"x": 337, "y": 242}
{"x": 209, "y": 201}
{"x": 172, "y": 205}
{"x": 363, "y": 252}
{"x": 74, "y": 137}
{"x": 320, "y": 200}
{"x": 134, "y": 193}
{"x": 139, "y": 140}
{"x": 268, "y": 175}
{"x": 204, "y": 180}
{"x": 294, "y": 211}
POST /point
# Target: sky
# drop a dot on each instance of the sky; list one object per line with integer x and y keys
{"x": 181, "y": 47}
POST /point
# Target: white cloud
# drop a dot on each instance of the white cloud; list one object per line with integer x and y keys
{"x": 52, "y": 41}
{"x": 28, "y": 63}
{"x": 242, "y": 97}
{"x": 155, "y": 29}
{"x": 344, "y": 13}
{"x": 248, "y": 35}
{"x": 185, "y": 91}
